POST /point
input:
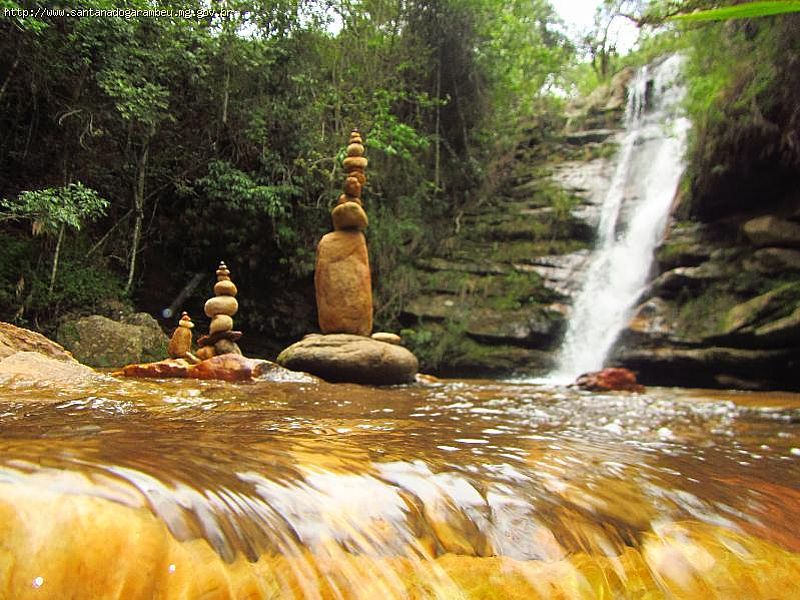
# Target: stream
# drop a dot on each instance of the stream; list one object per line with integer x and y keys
{"x": 456, "y": 489}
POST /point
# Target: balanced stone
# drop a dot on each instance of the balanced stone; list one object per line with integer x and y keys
{"x": 227, "y": 347}
{"x": 343, "y": 198}
{"x": 221, "y": 305}
{"x": 355, "y": 149}
{"x": 355, "y": 163}
{"x": 220, "y": 323}
{"x": 344, "y": 299}
{"x": 342, "y": 278}
{"x": 349, "y": 215}
{"x": 352, "y": 187}
{"x": 205, "y": 352}
{"x": 343, "y": 283}
{"x": 225, "y": 287}
{"x": 213, "y": 338}
{"x": 385, "y": 336}
{"x": 181, "y": 341}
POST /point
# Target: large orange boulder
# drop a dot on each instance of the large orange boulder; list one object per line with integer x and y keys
{"x": 343, "y": 284}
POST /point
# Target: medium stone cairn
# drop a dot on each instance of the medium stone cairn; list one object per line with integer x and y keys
{"x": 342, "y": 277}
{"x": 221, "y": 338}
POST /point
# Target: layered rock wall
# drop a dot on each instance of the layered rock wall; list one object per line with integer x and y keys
{"x": 724, "y": 307}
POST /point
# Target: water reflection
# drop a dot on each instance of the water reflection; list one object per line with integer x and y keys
{"x": 655, "y": 490}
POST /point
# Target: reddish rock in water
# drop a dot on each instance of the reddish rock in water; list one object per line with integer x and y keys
{"x": 609, "y": 380}
{"x": 171, "y": 367}
{"x": 227, "y": 367}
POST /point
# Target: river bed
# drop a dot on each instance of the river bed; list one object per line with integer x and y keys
{"x": 457, "y": 489}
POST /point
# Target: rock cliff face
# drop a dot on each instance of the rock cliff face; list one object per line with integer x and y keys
{"x": 494, "y": 300}
{"x": 724, "y": 307}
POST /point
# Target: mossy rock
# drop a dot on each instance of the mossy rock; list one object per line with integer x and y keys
{"x": 98, "y": 341}
{"x": 446, "y": 349}
{"x": 771, "y": 306}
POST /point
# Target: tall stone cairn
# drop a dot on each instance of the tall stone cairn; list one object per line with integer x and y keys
{"x": 342, "y": 277}
{"x": 221, "y": 338}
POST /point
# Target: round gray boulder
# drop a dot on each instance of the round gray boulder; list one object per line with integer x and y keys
{"x": 342, "y": 357}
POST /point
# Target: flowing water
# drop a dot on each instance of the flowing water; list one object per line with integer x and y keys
{"x": 186, "y": 489}
{"x": 633, "y": 216}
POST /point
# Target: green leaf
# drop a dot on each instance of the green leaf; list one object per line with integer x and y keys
{"x": 741, "y": 11}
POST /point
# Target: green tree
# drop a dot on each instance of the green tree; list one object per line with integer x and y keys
{"x": 53, "y": 210}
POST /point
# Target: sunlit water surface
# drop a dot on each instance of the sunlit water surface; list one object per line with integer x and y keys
{"x": 460, "y": 489}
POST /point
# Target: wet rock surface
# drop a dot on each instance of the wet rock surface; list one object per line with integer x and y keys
{"x": 495, "y": 299}
{"x": 39, "y": 371}
{"x": 351, "y": 358}
{"x": 224, "y": 367}
{"x": 724, "y": 310}
{"x": 15, "y": 339}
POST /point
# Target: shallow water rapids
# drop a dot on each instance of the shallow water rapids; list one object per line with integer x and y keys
{"x": 475, "y": 489}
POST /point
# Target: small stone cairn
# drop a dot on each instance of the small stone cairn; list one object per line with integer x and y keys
{"x": 221, "y": 338}
{"x": 180, "y": 344}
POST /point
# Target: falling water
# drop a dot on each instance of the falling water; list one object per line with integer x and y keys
{"x": 634, "y": 213}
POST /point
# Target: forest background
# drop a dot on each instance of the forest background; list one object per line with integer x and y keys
{"x": 137, "y": 152}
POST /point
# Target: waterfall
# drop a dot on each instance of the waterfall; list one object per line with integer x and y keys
{"x": 633, "y": 217}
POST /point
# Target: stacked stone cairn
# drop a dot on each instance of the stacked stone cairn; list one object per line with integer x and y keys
{"x": 221, "y": 338}
{"x": 342, "y": 277}
{"x": 345, "y": 352}
{"x": 180, "y": 344}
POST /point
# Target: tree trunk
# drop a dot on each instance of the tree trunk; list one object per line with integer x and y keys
{"x": 138, "y": 209}
{"x": 55, "y": 261}
{"x": 8, "y": 78}
{"x": 226, "y": 94}
{"x": 438, "y": 147}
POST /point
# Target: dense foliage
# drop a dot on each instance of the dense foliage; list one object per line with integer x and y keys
{"x": 216, "y": 133}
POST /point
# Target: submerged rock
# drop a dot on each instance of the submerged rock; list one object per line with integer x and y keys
{"x": 608, "y": 380}
{"x": 351, "y": 358}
